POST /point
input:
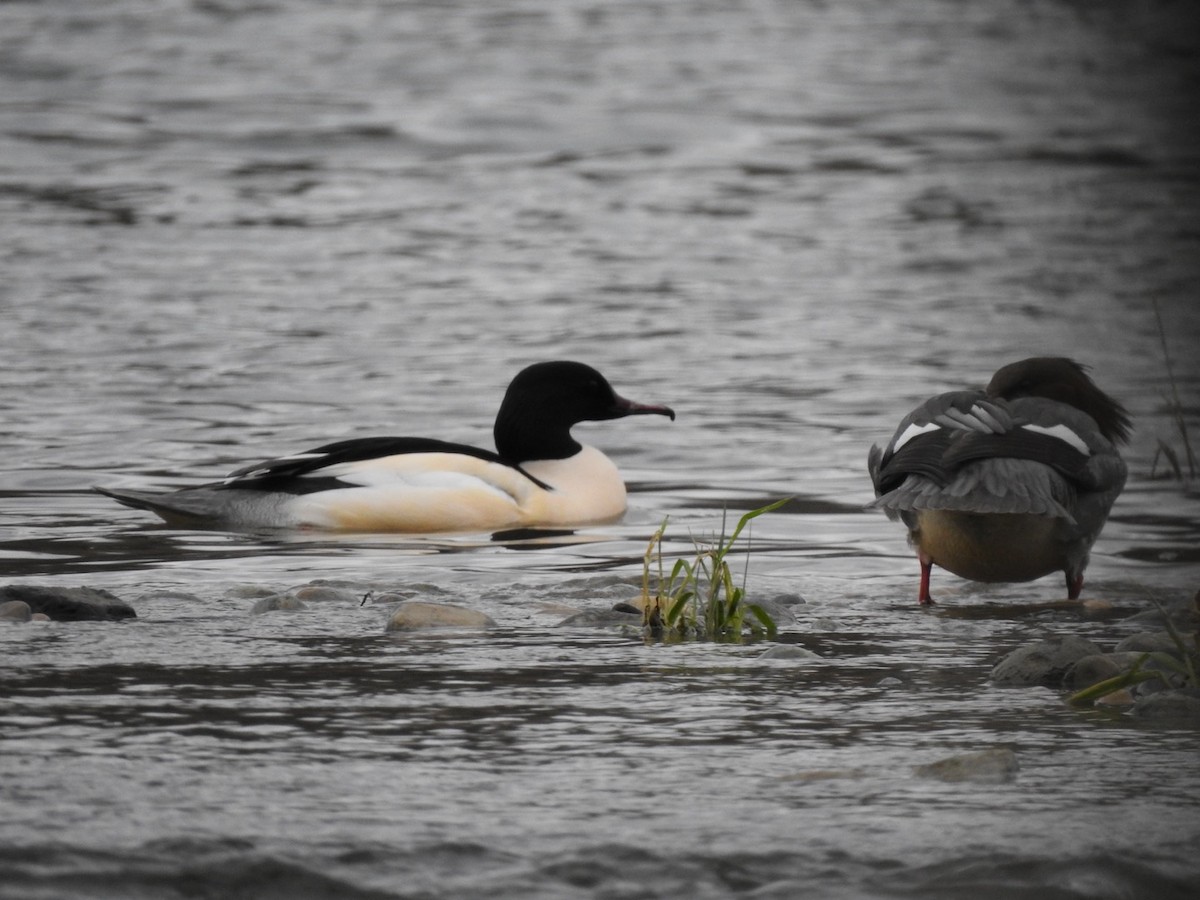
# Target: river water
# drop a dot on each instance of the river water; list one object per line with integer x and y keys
{"x": 236, "y": 229}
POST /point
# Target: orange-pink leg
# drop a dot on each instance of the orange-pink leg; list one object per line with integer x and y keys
{"x": 926, "y": 570}
{"x": 1074, "y": 585}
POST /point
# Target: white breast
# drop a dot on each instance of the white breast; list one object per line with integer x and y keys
{"x": 586, "y": 488}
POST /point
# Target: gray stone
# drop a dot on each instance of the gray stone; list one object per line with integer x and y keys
{"x": 788, "y": 599}
{"x": 15, "y": 611}
{"x": 1043, "y": 662}
{"x": 995, "y": 766}
{"x": 1174, "y": 706}
{"x": 1149, "y": 642}
{"x": 1096, "y": 668}
{"x": 780, "y": 614}
{"x": 412, "y": 615}
{"x": 322, "y": 593}
{"x": 81, "y": 604}
{"x": 275, "y": 603}
{"x": 604, "y": 618}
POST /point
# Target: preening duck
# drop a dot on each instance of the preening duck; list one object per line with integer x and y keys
{"x": 538, "y": 475}
{"x": 1010, "y": 483}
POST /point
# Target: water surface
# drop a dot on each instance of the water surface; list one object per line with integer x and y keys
{"x": 234, "y": 230}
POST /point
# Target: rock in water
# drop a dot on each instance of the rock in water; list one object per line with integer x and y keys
{"x": 15, "y": 611}
{"x": 995, "y": 766}
{"x": 1043, "y": 662}
{"x": 415, "y": 614}
{"x": 277, "y": 602}
{"x": 82, "y": 604}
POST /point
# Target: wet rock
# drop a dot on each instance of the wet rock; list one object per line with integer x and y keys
{"x": 250, "y": 591}
{"x": 1170, "y": 706}
{"x": 15, "y": 611}
{"x": 604, "y": 618}
{"x": 788, "y": 600}
{"x": 276, "y": 603}
{"x": 1042, "y": 662}
{"x": 321, "y": 593}
{"x": 788, "y": 652}
{"x": 82, "y": 604}
{"x": 995, "y": 766}
{"x": 1149, "y": 642}
{"x": 1122, "y": 698}
{"x": 1096, "y": 668}
{"x": 1171, "y": 675}
{"x": 412, "y": 615}
{"x": 781, "y": 614}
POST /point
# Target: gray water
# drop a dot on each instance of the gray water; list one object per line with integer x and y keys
{"x": 233, "y": 230}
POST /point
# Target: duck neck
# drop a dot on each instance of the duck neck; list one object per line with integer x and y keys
{"x": 524, "y": 435}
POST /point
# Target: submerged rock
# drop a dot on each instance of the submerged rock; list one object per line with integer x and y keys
{"x": 1097, "y": 667}
{"x": 1170, "y": 706}
{"x": 1149, "y": 642}
{"x": 277, "y": 602}
{"x": 82, "y": 604}
{"x": 995, "y": 766}
{"x": 1043, "y": 662}
{"x": 15, "y": 611}
{"x": 412, "y": 615}
{"x": 789, "y": 652}
{"x": 604, "y": 618}
{"x": 323, "y": 593}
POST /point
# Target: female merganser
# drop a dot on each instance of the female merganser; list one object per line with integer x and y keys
{"x": 1010, "y": 483}
{"x": 539, "y": 475}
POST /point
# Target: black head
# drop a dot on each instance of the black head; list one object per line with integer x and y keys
{"x": 1064, "y": 380}
{"x": 546, "y": 399}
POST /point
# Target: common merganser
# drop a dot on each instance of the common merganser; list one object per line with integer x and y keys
{"x": 1010, "y": 483}
{"x": 539, "y": 475}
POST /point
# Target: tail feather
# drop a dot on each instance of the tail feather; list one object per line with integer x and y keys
{"x": 181, "y": 507}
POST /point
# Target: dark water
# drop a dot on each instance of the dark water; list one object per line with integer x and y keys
{"x": 230, "y": 230}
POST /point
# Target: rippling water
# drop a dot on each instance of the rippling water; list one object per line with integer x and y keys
{"x": 231, "y": 230}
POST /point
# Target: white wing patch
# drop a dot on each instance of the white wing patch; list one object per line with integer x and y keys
{"x": 452, "y": 472}
{"x": 912, "y": 431}
{"x": 1062, "y": 433}
{"x": 265, "y": 469}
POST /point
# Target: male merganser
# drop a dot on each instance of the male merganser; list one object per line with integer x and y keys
{"x": 1010, "y": 483}
{"x": 539, "y": 475}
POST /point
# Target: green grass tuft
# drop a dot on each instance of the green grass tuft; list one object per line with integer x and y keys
{"x": 698, "y": 598}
